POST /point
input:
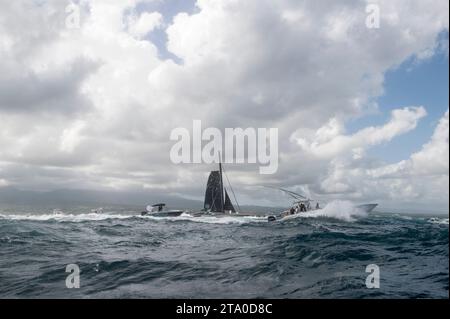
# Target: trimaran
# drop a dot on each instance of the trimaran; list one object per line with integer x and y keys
{"x": 217, "y": 202}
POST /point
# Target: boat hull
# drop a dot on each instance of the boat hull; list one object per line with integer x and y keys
{"x": 220, "y": 214}
{"x": 171, "y": 213}
{"x": 367, "y": 208}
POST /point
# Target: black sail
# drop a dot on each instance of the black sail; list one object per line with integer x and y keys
{"x": 228, "y": 205}
{"x": 213, "y": 197}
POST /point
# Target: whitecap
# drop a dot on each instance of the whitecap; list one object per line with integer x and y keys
{"x": 212, "y": 219}
{"x": 63, "y": 217}
{"x": 437, "y": 220}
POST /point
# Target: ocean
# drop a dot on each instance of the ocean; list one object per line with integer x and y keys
{"x": 123, "y": 255}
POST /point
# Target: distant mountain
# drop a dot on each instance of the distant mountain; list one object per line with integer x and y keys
{"x": 15, "y": 196}
{"x": 10, "y": 195}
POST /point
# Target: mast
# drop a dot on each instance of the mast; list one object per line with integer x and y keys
{"x": 221, "y": 183}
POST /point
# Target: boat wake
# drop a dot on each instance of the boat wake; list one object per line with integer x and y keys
{"x": 340, "y": 210}
{"x": 74, "y": 218}
{"x": 213, "y": 219}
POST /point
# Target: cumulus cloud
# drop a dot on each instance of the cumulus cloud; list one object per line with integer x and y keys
{"x": 93, "y": 107}
{"x": 145, "y": 23}
{"x": 329, "y": 142}
{"x": 431, "y": 160}
{"x": 55, "y": 90}
{"x": 423, "y": 177}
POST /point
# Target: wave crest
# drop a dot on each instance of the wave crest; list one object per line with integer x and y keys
{"x": 437, "y": 220}
{"x": 59, "y": 216}
{"x": 63, "y": 217}
{"x": 213, "y": 219}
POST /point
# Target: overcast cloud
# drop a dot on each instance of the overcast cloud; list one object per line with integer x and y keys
{"x": 93, "y": 108}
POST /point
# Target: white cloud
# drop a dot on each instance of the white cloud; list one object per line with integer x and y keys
{"x": 328, "y": 142}
{"x": 305, "y": 67}
{"x": 422, "y": 178}
{"x": 145, "y": 23}
{"x": 71, "y": 138}
{"x": 431, "y": 160}
{"x": 3, "y": 182}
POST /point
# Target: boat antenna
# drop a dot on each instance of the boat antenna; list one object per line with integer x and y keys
{"x": 232, "y": 191}
{"x": 290, "y": 193}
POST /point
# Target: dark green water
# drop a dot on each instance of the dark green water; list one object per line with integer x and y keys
{"x": 124, "y": 256}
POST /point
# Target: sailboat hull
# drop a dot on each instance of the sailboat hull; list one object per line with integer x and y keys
{"x": 170, "y": 213}
{"x": 223, "y": 214}
{"x": 367, "y": 208}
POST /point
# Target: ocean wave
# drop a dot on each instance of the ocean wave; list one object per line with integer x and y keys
{"x": 211, "y": 219}
{"x": 135, "y": 256}
{"x": 83, "y": 217}
{"x": 405, "y": 217}
{"x": 64, "y": 217}
{"x": 437, "y": 220}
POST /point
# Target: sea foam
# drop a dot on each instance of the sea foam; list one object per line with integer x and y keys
{"x": 437, "y": 220}
{"x": 60, "y": 216}
{"x": 213, "y": 219}
{"x": 64, "y": 217}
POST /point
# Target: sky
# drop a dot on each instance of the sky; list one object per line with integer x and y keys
{"x": 362, "y": 113}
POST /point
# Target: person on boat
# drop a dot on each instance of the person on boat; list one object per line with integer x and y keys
{"x": 317, "y": 206}
{"x": 302, "y": 207}
{"x": 292, "y": 211}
